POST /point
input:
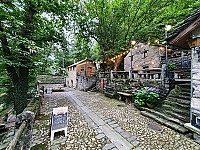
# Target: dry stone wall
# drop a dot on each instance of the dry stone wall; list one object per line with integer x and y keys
{"x": 50, "y": 79}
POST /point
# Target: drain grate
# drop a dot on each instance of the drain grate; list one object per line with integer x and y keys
{"x": 120, "y": 105}
{"x": 154, "y": 127}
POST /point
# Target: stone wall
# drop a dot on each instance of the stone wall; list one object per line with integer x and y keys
{"x": 195, "y": 101}
{"x": 143, "y": 56}
{"x": 84, "y": 83}
{"x": 111, "y": 87}
{"x": 71, "y": 79}
{"x": 50, "y": 79}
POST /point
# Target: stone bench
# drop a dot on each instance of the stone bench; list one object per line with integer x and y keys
{"x": 127, "y": 97}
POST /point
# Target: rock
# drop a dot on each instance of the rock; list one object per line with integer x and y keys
{"x": 11, "y": 118}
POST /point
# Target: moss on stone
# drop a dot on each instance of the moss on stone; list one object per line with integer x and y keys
{"x": 39, "y": 147}
{"x": 34, "y": 106}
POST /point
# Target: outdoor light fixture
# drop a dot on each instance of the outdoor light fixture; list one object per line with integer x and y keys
{"x": 132, "y": 43}
{"x": 152, "y": 62}
{"x": 137, "y": 65}
{"x": 156, "y": 41}
{"x": 168, "y": 27}
{"x": 194, "y": 44}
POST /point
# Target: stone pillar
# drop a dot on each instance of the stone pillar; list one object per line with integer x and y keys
{"x": 130, "y": 74}
{"x": 195, "y": 98}
{"x": 111, "y": 74}
{"x": 163, "y": 74}
{"x": 194, "y": 125}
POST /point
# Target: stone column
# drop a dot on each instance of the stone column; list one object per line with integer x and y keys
{"x": 130, "y": 74}
{"x": 195, "y": 100}
{"x": 111, "y": 74}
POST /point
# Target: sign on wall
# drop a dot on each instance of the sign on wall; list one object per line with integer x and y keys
{"x": 59, "y": 120}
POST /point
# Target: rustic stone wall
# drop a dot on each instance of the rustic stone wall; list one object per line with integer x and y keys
{"x": 50, "y": 79}
{"x": 84, "y": 83}
{"x": 195, "y": 101}
{"x": 71, "y": 79}
{"x": 111, "y": 87}
{"x": 143, "y": 56}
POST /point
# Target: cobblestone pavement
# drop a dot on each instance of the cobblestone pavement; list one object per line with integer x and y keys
{"x": 94, "y": 119}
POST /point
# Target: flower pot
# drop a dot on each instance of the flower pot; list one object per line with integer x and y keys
{"x": 151, "y": 105}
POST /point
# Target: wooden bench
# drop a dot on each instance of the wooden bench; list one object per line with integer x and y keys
{"x": 125, "y": 96}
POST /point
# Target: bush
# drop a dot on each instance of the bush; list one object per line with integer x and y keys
{"x": 171, "y": 67}
{"x": 147, "y": 95}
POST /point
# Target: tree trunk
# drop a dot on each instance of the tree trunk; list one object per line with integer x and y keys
{"x": 21, "y": 90}
{"x": 118, "y": 62}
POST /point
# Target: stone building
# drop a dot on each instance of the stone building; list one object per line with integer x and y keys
{"x": 81, "y": 75}
{"x": 187, "y": 36}
{"x": 144, "y": 56}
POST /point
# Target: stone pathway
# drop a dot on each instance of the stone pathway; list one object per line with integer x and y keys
{"x": 97, "y": 122}
{"x": 102, "y": 124}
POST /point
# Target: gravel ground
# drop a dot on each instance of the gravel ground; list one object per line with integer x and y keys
{"x": 82, "y": 136}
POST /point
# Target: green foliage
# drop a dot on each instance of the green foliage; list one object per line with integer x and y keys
{"x": 171, "y": 67}
{"x": 113, "y": 24}
{"x": 29, "y": 33}
{"x": 147, "y": 95}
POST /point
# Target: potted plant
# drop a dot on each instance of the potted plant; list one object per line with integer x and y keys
{"x": 148, "y": 96}
{"x": 171, "y": 67}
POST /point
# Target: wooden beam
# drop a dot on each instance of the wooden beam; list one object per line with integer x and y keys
{"x": 185, "y": 32}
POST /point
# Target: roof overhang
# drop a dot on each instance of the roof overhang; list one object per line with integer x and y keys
{"x": 180, "y": 39}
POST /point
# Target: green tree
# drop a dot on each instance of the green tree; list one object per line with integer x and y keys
{"x": 25, "y": 32}
{"x": 113, "y": 24}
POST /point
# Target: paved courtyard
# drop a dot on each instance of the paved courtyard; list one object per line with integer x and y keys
{"x": 97, "y": 122}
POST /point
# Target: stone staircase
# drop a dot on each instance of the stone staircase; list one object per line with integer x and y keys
{"x": 174, "y": 112}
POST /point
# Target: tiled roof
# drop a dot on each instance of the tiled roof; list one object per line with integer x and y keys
{"x": 78, "y": 62}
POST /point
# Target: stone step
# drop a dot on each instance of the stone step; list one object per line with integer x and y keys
{"x": 177, "y": 105}
{"x": 165, "y": 122}
{"x": 185, "y": 85}
{"x": 178, "y": 116}
{"x": 182, "y": 101}
{"x": 185, "y": 93}
{"x": 181, "y": 97}
{"x": 110, "y": 94}
{"x": 176, "y": 110}
{"x": 186, "y": 90}
{"x": 162, "y": 115}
